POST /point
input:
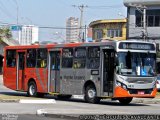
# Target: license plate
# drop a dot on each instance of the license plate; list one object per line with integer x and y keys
{"x": 141, "y": 92}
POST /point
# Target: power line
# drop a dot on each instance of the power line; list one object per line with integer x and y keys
{"x": 43, "y": 27}
{"x": 104, "y": 7}
{"x": 5, "y": 11}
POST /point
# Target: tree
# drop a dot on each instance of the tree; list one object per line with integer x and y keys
{"x": 5, "y": 33}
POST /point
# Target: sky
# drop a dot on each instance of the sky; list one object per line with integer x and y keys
{"x": 53, "y": 13}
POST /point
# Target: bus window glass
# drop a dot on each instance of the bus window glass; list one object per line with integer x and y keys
{"x": 67, "y": 58}
{"x": 139, "y": 64}
{"x": 93, "y": 57}
{"x": 31, "y": 58}
{"x": 11, "y": 58}
{"x": 41, "y": 58}
{"x": 80, "y": 52}
{"x": 80, "y": 58}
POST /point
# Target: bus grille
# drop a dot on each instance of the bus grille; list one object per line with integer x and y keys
{"x": 140, "y": 81}
{"x": 146, "y": 91}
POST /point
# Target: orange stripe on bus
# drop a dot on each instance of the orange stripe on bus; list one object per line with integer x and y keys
{"x": 120, "y": 92}
{"x": 73, "y": 44}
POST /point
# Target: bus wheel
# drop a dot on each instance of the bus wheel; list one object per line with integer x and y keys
{"x": 125, "y": 101}
{"x": 90, "y": 94}
{"x": 32, "y": 89}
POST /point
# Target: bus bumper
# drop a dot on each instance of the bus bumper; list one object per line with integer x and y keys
{"x": 120, "y": 92}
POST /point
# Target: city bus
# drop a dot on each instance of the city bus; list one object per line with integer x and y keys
{"x": 119, "y": 70}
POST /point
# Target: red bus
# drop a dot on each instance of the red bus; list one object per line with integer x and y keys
{"x": 118, "y": 70}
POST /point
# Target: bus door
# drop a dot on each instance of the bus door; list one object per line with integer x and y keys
{"x": 108, "y": 71}
{"x": 54, "y": 72}
{"x": 20, "y": 70}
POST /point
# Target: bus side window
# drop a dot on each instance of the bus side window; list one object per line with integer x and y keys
{"x": 158, "y": 68}
{"x": 42, "y": 58}
{"x": 11, "y": 58}
{"x": 67, "y": 58}
{"x": 93, "y": 58}
{"x": 79, "y": 57}
{"x": 31, "y": 58}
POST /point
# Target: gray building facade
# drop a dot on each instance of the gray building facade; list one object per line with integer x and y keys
{"x": 135, "y": 15}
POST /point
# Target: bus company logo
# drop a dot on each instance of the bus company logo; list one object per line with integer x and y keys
{"x": 9, "y": 117}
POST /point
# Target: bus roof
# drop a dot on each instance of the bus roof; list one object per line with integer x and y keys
{"x": 102, "y": 43}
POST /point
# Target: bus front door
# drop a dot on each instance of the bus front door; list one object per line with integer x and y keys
{"x": 108, "y": 71}
{"x": 54, "y": 72}
{"x": 20, "y": 70}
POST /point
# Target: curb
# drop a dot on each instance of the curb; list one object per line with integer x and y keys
{"x": 147, "y": 101}
{"x": 9, "y": 100}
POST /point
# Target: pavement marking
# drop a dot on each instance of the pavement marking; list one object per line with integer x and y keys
{"x": 41, "y": 112}
{"x": 49, "y": 101}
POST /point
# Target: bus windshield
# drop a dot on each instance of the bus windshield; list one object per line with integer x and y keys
{"x": 136, "y": 64}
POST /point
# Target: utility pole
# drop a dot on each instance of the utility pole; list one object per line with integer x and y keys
{"x": 17, "y": 10}
{"x": 144, "y": 24}
{"x": 81, "y": 8}
{"x": 18, "y": 32}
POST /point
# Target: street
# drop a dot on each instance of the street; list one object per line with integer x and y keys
{"x": 10, "y": 105}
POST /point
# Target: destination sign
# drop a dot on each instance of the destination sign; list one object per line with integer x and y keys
{"x": 136, "y": 46}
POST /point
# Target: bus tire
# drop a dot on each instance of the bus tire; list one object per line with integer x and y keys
{"x": 91, "y": 94}
{"x": 125, "y": 101}
{"x": 32, "y": 89}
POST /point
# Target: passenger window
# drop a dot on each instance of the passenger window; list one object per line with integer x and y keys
{"x": 11, "y": 58}
{"x": 42, "y": 58}
{"x": 80, "y": 58}
{"x": 67, "y": 58}
{"x": 93, "y": 58}
{"x": 31, "y": 58}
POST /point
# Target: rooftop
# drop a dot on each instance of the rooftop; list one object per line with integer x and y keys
{"x": 141, "y": 2}
{"x": 107, "y": 21}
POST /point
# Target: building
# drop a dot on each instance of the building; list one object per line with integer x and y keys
{"x": 137, "y": 26}
{"x": 72, "y": 31}
{"x": 26, "y": 34}
{"x": 109, "y": 29}
{"x": 4, "y": 42}
{"x": 89, "y": 35}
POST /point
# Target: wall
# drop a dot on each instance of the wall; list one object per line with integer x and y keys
{"x": 136, "y": 32}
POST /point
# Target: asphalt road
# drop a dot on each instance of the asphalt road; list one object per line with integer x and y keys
{"x": 61, "y": 110}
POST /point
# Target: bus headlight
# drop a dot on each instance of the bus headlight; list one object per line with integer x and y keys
{"x": 124, "y": 87}
{"x": 121, "y": 85}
